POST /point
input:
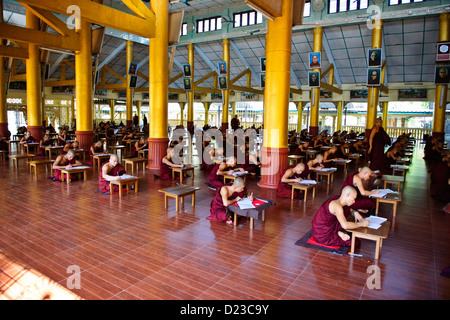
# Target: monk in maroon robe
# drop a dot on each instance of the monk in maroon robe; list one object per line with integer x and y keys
{"x": 440, "y": 175}
{"x": 44, "y": 143}
{"x": 355, "y": 180}
{"x": 330, "y": 223}
{"x": 378, "y": 138}
{"x": 225, "y": 196}
{"x": 96, "y": 148}
{"x": 165, "y": 172}
{"x": 215, "y": 179}
{"x": 290, "y": 174}
{"x": 63, "y": 162}
{"x": 27, "y": 138}
{"x": 330, "y": 156}
{"x": 110, "y": 170}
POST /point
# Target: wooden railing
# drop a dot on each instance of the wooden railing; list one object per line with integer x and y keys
{"x": 394, "y": 132}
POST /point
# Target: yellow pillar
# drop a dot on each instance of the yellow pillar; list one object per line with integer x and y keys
{"x": 129, "y": 109}
{"x": 190, "y": 111}
{"x": 440, "y": 101}
{"x": 182, "y": 105}
{"x": 226, "y": 93}
{"x": 112, "y": 104}
{"x": 339, "y": 116}
{"x": 158, "y": 85}
{"x": 385, "y": 114}
{"x": 300, "y": 115}
{"x": 233, "y": 104}
{"x": 374, "y": 92}
{"x": 138, "y": 110}
{"x": 33, "y": 67}
{"x": 83, "y": 87}
{"x": 315, "y": 92}
{"x": 206, "y": 104}
{"x": 276, "y": 97}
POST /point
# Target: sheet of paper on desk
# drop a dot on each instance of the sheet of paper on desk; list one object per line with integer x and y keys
{"x": 375, "y": 222}
{"x": 81, "y": 167}
{"x": 383, "y": 193}
{"x": 245, "y": 204}
{"x": 102, "y": 154}
{"x": 327, "y": 169}
{"x": 239, "y": 173}
{"x": 308, "y": 182}
{"x": 399, "y": 166}
{"x": 127, "y": 176}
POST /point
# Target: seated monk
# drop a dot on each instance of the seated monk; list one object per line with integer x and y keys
{"x": 27, "y": 138}
{"x": 96, "y": 148}
{"x": 227, "y": 195}
{"x": 111, "y": 170}
{"x": 64, "y": 162}
{"x": 362, "y": 202}
{"x": 138, "y": 146}
{"x": 330, "y": 156}
{"x": 330, "y": 223}
{"x": 216, "y": 175}
{"x": 290, "y": 174}
{"x": 166, "y": 164}
{"x": 440, "y": 180}
{"x": 45, "y": 142}
{"x": 314, "y": 164}
{"x": 251, "y": 164}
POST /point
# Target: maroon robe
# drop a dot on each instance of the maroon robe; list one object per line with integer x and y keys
{"x": 214, "y": 179}
{"x": 134, "y": 151}
{"x": 361, "y": 202}
{"x": 250, "y": 167}
{"x": 165, "y": 171}
{"x": 377, "y": 157}
{"x": 45, "y": 144}
{"x": 58, "y": 174}
{"x": 104, "y": 184}
{"x": 284, "y": 190}
{"x": 91, "y": 155}
{"x": 439, "y": 187}
{"x": 218, "y": 211}
{"x": 325, "y": 226}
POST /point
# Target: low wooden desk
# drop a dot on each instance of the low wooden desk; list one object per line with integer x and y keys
{"x": 394, "y": 180}
{"x": 74, "y": 170}
{"x": 115, "y": 148}
{"x": 121, "y": 182}
{"x": 179, "y": 192}
{"x": 183, "y": 172}
{"x": 31, "y": 145}
{"x": 135, "y": 162}
{"x": 142, "y": 153}
{"x": 311, "y": 154}
{"x": 392, "y": 198}
{"x": 355, "y": 156}
{"x": 82, "y": 152}
{"x": 11, "y": 142}
{"x": 303, "y": 187}
{"x": 371, "y": 234}
{"x": 399, "y": 168}
{"x": 49, "y": 150}
{"x": 3, "y": 155}
{"x": 34, "y": 165}
{"x": 98, "y": 157}
{"x": 328, "y": 173}
{"x": 342, "y": 163}
{"x": 17, "y": 157}
{"x": 294, "y": 158}
{"x": 233, "y": 177}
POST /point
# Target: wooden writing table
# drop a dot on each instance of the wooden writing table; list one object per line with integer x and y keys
{"x": 179, "y": 192}
{"x": 392, "y": 198}
{"x": 343, "y": 163}
{"x": 11, "y": 142}
{"x": 142, "y": 153}
{"x": 115, "y": 148}
{"x": 294, "y": 158}
{"x": 31, "y": 145}
{"x": 3, "y": 154}
{"x": 74, "y": 170}
{"x": 233, "y": 177}
{"x": 17, "y": 157}
{"x": 304, "y": 187}
{"x": 135, "y": 162}
{"x": 34, "y": 166}
{"x": 393, "y": 179}
{"x": 98, "y": 157}
{"x": 81, "y": 152}
{"x": 49, "y": 150}
{"x": 371, "y": 234}
{"x": 328, "y": 173}
{"x": 183, "y": 171}
{"x": 126, "y": 182}
{"x": 399, "y": 168}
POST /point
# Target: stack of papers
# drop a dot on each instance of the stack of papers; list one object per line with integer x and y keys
{"x": 382, "y": 194}
{"x": 127, "y": 176}
{"x": 375, "y": 222}
{"x": 239, "y": 173}
{"x": 308, "y": 182}
{"x": 327, "y": 169}
{"x": 79, "y": 167}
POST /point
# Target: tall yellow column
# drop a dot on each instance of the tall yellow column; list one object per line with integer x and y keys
{"x": 129, "y": 110}
{"x": 206, "y": 104}
{"x": 112, "y": 104}
{"x": 339, "y": 116}
{"x": 158, "y": 85}
{"x": 33, "y": 67}
{"x": 3, "y": 84}
{"x": 300, "y": 115}
{"x": 315, "y": 92}
{"x": 138, "y": 110}
{"x": 190, "y": 113}
{"x": 182, "y": 105}
{"x": 385, "y": 114}
{"x": 83, "y": 87}
{"x": 440, "y": 101}
{"x": 374, "y": 92}
{"x": 276, "y": 97}
{"x": 226, "y": 93}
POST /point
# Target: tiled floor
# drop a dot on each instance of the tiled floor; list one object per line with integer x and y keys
{"x": 134, "y": 248}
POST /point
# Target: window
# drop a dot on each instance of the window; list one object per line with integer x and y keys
{"x": 209, "y": 24}
{"x": 336, "y": 6}
{"x": 246, "y": 18}
{"x": 307, "y": 8}
{"x": 397, "y": 2}
{"x": 183, "y": 30}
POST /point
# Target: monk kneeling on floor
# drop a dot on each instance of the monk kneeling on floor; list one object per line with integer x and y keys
{"x": 225, "y": 196}
{"x": 65, "y": 161}
{"x": 330, "y": 223}
{"x": 111, "y": 170}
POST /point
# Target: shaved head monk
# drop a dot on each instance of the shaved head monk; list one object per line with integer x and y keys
{"x": 111, "y": 170}
{"x": 225, "y": 196}
{"x": 362, "y": 203}
{"x": 63, "y": 162}
{"x": 330, "y": 223}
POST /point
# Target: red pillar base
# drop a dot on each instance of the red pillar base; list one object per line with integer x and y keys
{"x": 314, "y": 131}
{"x": 157, "y": 148}
{"x": 4, "y": 129}
{"x": 85, "y": 139}
{"x": 274, "y": 161}
{"x": 37, "y": 132}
